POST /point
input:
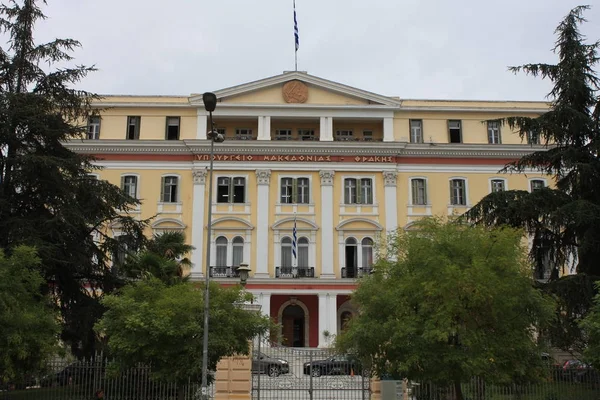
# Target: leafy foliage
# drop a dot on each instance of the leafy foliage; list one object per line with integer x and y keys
{"x": 591, "y": 326}
{"x": 563, "y": 222}
{"x": 451, "y": 302}
{"x": 163, "y": 257}
{"x": 151, "y": 321}
{"x": 29, "y": 333}
{"x": 47, "y": 198}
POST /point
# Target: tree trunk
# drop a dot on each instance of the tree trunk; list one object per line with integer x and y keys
{"x": 458, "y": 395}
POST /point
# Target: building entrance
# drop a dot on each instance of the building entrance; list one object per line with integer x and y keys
{"x": 293, "y": 323}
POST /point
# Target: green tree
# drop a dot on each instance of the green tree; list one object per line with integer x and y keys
{"x": 563, "y": 221}
{"x": 47, "y": 197}
{"x": 164, "y": 257}
{"x": 591, "y": 327}
{"x": 452, "y": 302}
{"x": 162, "y": 324}
{"x": 29, "y": 325}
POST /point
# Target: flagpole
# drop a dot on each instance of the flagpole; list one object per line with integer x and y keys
{"x": 296, "y": 39}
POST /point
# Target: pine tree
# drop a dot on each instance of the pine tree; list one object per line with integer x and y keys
{"x": 47, "y": 197}
{"x": 563, "y": 221}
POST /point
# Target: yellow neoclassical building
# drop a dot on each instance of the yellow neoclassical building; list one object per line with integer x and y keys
{"x": 344, "y": 165}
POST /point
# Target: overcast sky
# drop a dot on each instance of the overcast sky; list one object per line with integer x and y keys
{"x": 437, "y": 49}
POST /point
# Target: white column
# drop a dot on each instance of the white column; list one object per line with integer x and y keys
{"x": 391, "y": 201}
{"x": 264, "y": 299}
{"x": 327, "y": 318}
{"x": 388, "y": 129}
{"x": 263, "y": 178}
{"x": 198, "y": 221}
{"x": 326, "y": 129}
{"x": 202, "y": 125}
{"x": 264, "y": 128}
{"x": 327, "y": 223}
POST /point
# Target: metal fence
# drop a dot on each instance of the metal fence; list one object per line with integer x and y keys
{"x": 306, "y": 374}
{"x": 81, "y": 380}
{"x": 556, "y": 384}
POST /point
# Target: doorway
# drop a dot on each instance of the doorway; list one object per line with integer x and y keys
{"x": 293, "y": 322}
{"x": 351, "y": 258}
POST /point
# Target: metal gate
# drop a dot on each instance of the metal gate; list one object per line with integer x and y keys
{"x": 311, "y": 374}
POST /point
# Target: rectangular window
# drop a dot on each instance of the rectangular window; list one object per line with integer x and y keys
{"x": 458, "y": 192}
{"x": 169, "y": 189}
{"x": 358, "y": 191}
{"x": 243, "y": 134}
{"x": 454, "y": 130}
{"x": 537, "y": 184}
{"x": 93, "y": 131}
{"x": 231, "y": 190}
{"x": 295, "y": 191}
{"x": 368, "y": 136}
{"x": 493, "y": 129}
{"x": 124, "y": 247}
{"x": 497, "y": 185}
{"x": 129, "y": 185}
{"x": 344, "y": 135}
{"x": 306, "y": 134}
{"x": 283, "y": 134}
{"x": 172, "y": 132}
{"x": 419, "y": 192}
{"x": 533, "y": 137}
{"x": 133, "y": 128}
{"x": 416, "y": 131}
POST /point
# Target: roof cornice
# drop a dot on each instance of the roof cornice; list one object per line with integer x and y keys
{"x": 401, "y": 149}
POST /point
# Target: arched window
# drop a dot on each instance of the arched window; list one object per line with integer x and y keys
{"x": 221, "y": 251}
{"x": 286, "y": 252}
{"x": 351, "y": 268}
{"x": 303, "y": 252}
{"x": 238, "y": 251}
{"x": 367, "y": 255}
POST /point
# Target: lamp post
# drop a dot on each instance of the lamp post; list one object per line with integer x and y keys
{"x": 210, "y": 103}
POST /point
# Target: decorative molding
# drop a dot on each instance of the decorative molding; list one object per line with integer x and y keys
{"x": 263, "y": 176}
{"x": 326, "y": 177}
{"x": 377, "y": 225}
{"x": 295, "y": 91}
{"x": 199, "y": 175}
{"x": 389, "y": 178}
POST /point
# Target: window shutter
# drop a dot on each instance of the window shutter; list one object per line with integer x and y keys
{"x": 294, "y": 191}
{"x": 162, "y": 189}
{"x": 123, "y": 183}
{"x": 451, "y": 193}
{"x": 358, "y": 192}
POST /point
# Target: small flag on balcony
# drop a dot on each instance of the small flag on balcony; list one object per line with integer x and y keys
{"x": 294, "y": 239}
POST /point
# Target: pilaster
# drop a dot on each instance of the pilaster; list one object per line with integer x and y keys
{"x": 263, "y": 179}
{"x": 198, "y": 206}
{"x": 202, "y": 125}
{"x": 327, "y": 318}
{"x": 388, "y": 129}
{"x": 326, "y": 129}
{"x": 391, "y": 200}
{"x": 264, "y": 128}
{"x": 327, "y": 223}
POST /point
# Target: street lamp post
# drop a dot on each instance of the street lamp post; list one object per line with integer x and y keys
{"x": 210, "y": 103}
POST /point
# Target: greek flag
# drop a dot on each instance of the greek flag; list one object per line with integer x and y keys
{"x": 294, "y": 239}
{"x": 296, "y": 36}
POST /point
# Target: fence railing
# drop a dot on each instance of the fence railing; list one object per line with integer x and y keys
{"x": 81, "y": 380}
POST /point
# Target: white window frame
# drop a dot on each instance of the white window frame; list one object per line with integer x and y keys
{"x": 410, "y": 191}
{"x": 412, "y": 134}
{"x": 284, "y": 134}
{"x": 344, "y": 135}
{"x": 137, "y": 184}
{"x": 368, "y": 135}
{"x": 460, "y": 127}
{"x": 531, "y": 180}
{"x": 466, "y": 191}
{"x": 359, "y": 178}
{"x": 307, "y": 135}
{"x": 94, "y": 134}
{"x": 168, "y": 124}
{"x": 491, "y": 183}
{"x": 243, "y": 134}
{"x": 178, "y": 195}
{"x": 494, "y": 132}
{"x": 295, "y": 178}
{"x": 231, "y": 177}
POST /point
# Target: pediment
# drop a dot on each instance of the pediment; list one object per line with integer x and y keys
{"x": 298, "y": 89}
{"x": 359, "y": 224}
{"x": 288, "y": 224}
{"x": 231, "y": 223}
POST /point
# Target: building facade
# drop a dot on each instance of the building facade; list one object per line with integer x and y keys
{"x": 342, "y": 165}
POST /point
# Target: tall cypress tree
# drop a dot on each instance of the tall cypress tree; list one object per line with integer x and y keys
{"x": 563, "y": 221}
{"x": 47, "y": 197}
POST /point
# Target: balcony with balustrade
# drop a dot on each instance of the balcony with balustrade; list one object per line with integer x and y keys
{"x": 353, "y": 273}
{"x": 224, "y": 272}
{"x": 294, "y": 272}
